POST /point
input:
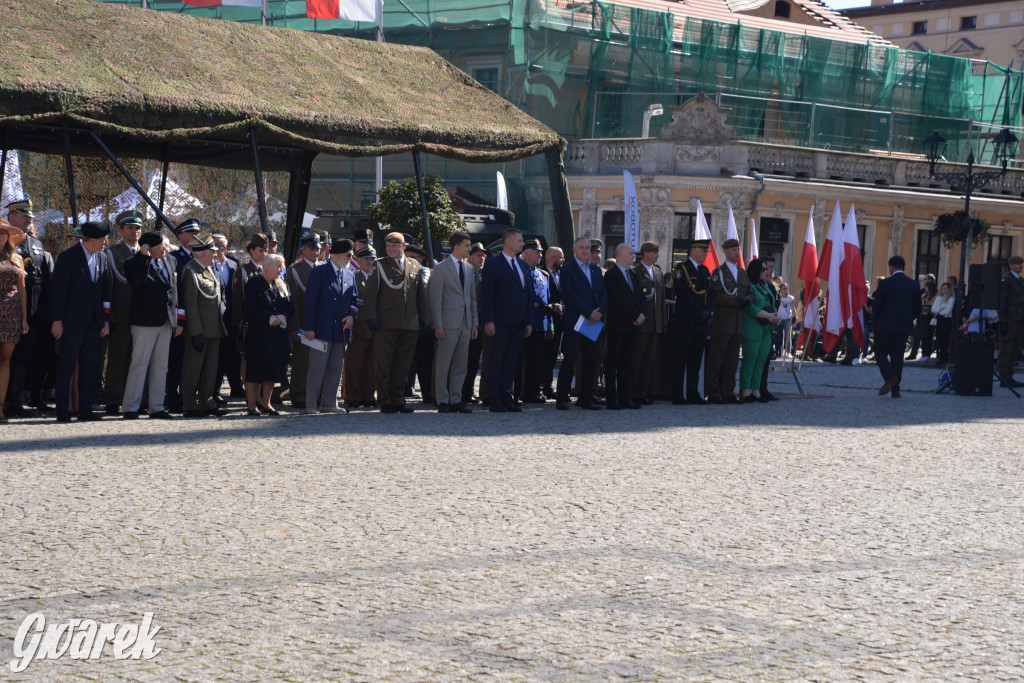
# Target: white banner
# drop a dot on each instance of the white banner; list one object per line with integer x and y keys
{"x": 502, "y": 193}
{"x": 12, "y": 180}
{"x": 632, "y": 227}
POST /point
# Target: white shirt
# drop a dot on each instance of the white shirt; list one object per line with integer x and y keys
{"x": 650, "y": 270}
{"x": 512, "y": 264}
{"x": 585, "y": 267}
{"x": 734, "y": 269}
{"x": 90, "y": 258}
{"x": 625, "y": 274}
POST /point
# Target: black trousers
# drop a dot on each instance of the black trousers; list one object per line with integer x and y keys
{"x": 472, "y": 365}
{"x": 575, "y": 345}
{"x": 505, "y": 347}
{"x": 889, "y": 350}
{"x": 618, "y": 365}
{"x": 551, "y": 348}
{"x": 78, "y": 345}
{"x": 533, "y": 362}
{"x": 32, "y": 359}
{"x": 174, "y": 361}
{"x": 229, "y": 365}
{"x": 687, "y": 355}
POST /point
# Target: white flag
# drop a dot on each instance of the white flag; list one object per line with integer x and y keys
{"x": 502, "y": 193}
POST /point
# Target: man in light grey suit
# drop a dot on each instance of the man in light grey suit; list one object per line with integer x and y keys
{"x": 452, "y": 295}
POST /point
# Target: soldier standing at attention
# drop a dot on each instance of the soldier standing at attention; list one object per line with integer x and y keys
{"x": 297, "y": 278}
{"x": 393, "y": 297}
{"x": 257, "y": 249}
{"x": 204, "y": 328}
{"x": 1011, "y": 321}
{"x": 360, "y": 370}
{"x": 119, "y": 343}
{"x": 695, "y": 303}
{"x": 731, "y": 288}
{"x": 184, "y": 232}
{"x": 652, "y": 283}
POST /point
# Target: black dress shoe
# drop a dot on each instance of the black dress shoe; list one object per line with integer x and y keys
{"x": 89, "y": 417}
{"x": 763, "y": 399}
{"x": 252, "y": 412}
{"x": 192, "y": 413}
{"x": 562, "y": 405}
{"x": 444, "y": 408}
{"x": 679, "y": 401}
{"x": 130, "y": 415}
{"x": 613, "y": 406}
{"x": 696, "y": 401}
{"x": 590, "y": 406}
{"x": 549, "y": 393}
{"x": 498, "y": 408}
{"x": 770, "y": 395}
{"x": 646, "y": 402}
{"x": 220, "y": 400}
{"x": 749, "y": 398}
{"x": 732, "y": 400}
{"x": 218, "y": 412}
{"x": 63, "y": 417}
{"x": 461, "y": 408}
{"x": 20, "y": 411}
{"x": 405, "y": 410}
{"x": 473, "y": 399}
{"x": 631, "y": 405}
{"x": 161, "y": 415}
{"x": 113, "y": 410}
{"x": 896, "y": 392}
{"x": 388, "y": 409}
{"x": 536, "y": 398}
{"x": 599, "y": 401}
{"x": 42, "y": 407}
{"x": 716, "y": 400}
{"x": 513, "y": 407}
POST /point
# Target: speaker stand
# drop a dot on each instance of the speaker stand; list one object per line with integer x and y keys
{"x": 1004, "y": 383}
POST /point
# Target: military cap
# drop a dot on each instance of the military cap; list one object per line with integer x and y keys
{"x": 151, "y": 239}
{"x": 95, "y": 230}
{"x": 23, "y": 205}
{"x": 257, "y": 240}
{"x": 476, "y": 248}
{"x": 312, "y": 240}
{"x": 730, "y": 243}
{"x": 201, "y": 243}
{"x": 700, "y": 244}
{"x": 366, "y": 252}
{"x": 187, "y": 225}
{"x": 416, "y": 249}
{"x": 341, "y": 246}
{"x": 409, "y": 238}
{"x": 395, "y": 238}
{"x": 595, "y": 245}
{"x": 495, "y": 246}
{"x": 129, "y": 217}
{"x": 648, "y": 247}
{"x": 323, "y": 235}
{"x": 272, "y": 237}
{"x": 532, "y": 244}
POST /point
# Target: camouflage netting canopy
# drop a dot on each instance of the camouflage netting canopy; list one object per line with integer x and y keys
{"x": 165, "y": 86}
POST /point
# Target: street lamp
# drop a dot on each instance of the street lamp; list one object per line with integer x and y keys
{"x": 652, "y": 110}
{"x": 1005, "y": 143}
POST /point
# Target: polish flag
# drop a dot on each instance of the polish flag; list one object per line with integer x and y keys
{"x": 350, "y": 10}
{"x": 732, "y": 233}
{"x": 224, "y": 3}
{"x": 753, "y": 243}
{"x": 703, "y": 233}
{"x": 851, "y": 277}
{"x": 808, "y": 273}
{"x": 830, "y": 268}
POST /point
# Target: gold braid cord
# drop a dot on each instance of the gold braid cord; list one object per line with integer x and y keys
{"x": 689, "y": 282}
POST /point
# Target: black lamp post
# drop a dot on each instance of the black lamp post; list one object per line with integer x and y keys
{"x": 1005, "y": 143}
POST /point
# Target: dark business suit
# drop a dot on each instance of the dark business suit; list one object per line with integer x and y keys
{"x": 81, "y": 303}
{"x": 626, "y": 303}
{"x": 551, "y": 346}
{"x": 694, "y": 307}
{"x": 507, "y": 289}
{"x": 579, "y": 298}
{"x": 229, "y": 361}
{"x": 33, "y": 356}
{"x": 897, "y": 304}
{"x": 177, "y": 355}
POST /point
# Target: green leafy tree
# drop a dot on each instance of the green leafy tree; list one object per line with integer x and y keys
{"x": 399, "y": 208}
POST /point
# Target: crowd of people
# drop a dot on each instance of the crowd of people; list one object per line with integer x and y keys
{"x": 144, "y": 327}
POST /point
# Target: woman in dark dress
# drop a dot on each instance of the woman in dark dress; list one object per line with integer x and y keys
{"x": 268, "y": 305}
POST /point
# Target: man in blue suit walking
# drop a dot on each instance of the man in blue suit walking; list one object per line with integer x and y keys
{"x": 507, "y": 317}
{"x": 897, "y": 305}
{"x": 583, "y": 295}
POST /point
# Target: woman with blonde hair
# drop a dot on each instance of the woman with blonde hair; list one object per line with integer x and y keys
{"x": 13, "y": 304}
{"x": 268, "y": 305}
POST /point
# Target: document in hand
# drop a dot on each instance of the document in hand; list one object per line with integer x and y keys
{"x": 589, "y": 330}
{"x": 318, "y": 344}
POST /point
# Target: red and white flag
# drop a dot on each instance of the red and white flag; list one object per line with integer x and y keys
{"x": 754, "y": 253}
{"x": 703, "y": 233}
{"x": 854, "y": 287}
{"x": 808, "y": 273}
{"x": 829, "y": 268}
{"x": 732, "y": 233}
{"x": 349, "y": 10}
{"x": 224, "y": 3}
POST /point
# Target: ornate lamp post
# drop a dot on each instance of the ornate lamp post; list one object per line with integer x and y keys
{"x": 1005, "y": 143}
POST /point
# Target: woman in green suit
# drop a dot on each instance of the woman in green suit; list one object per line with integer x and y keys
{"x": 759, "y": 321}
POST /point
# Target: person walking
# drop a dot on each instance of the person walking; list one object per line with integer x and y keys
{"x": 897, "y": 304}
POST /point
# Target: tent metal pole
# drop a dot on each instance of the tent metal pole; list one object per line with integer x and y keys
{"x": 259, "y": 180}
{"x": 163, "y": 182}
{"x": 72, "y": 192}
{"x": 3, "y": 159}
{"x": 131, "y": 179}
{"x": 423, "y": 207}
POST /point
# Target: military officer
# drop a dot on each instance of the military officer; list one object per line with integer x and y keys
{"x": 393, "y": 298}
{"x": 532, "y": 357}
{"x": 1011, "y": 320}
{"x": 360, "y": 379}
{"x": 34, "y": 355}
{"x": 695, "y": 305}
{"x": 652, "y": 284}
{"x": 296, "y": 278}
{"x": 204, "y": 328}
{"x": 731, "y": 289}
{"x": 272, "y": 242}
{"x": 185, "y": 232}
{"x": 119, "y": 343}
{"x": 554, "y": 257}
{"x": 493, "y": 249}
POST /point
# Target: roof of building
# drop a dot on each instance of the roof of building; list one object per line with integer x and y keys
{"x": 919, "y": 6}
{"x": 151, "y": 80}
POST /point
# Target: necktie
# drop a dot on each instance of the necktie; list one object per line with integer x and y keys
{"x": 519, "y": 273}
{"x": 462, "y": 276}
{"x": 629, "y": 281}
{"x": 92, "y": 267}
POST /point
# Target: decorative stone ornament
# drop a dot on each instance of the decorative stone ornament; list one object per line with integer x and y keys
{"x": 699, "y": 119}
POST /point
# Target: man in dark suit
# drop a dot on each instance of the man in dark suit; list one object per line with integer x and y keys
{"x": 583, "y": 295}
{"x": 897, "y": 305}
{"x": 626, "y": 305}
{"x": 81, "y": 306}
{"x": 330, "y": 312}
{"x": 507, "y": 317}
{"x": 553, "y": 260}
{"x": 695, "y": 305}
{"x": 185, "y": 231}
{"x": 153, "y": 315}
{"x": 229, "y": 361}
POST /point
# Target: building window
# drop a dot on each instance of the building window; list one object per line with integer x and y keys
{"x": 489, "y": 77}
{"x": 926, "y": 253}
{"x": 782, "y": 9}
{"x": 920, "y": 27}
{"x": 968, "y": 23}
{"x": 1000, "y": 249}
{"x": 613, "y": 231}
{"x": 682, "y": 234}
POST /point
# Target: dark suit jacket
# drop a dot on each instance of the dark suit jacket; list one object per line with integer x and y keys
{"x": 690, "y": 304}
{"x": 624, "y": 304}
{"x": 154, "y": 299}
{"x": 77, "y": 300}
{"x": 326, "y": 305}
{"x": 897, "y": 304}
{"x": 577, "y": 297}
{"x": 228, "y": 290}
{"x": 181, "y": 258}
{"x": 506, "y": 301}
{"x": 38, "y": 277}
{"x": 263, "y": 342}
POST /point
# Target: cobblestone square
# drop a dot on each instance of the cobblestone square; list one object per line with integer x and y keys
{"x": 841, "y": 537}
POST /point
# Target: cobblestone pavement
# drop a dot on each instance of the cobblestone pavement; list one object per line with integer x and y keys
{"x": 842, "y": 537}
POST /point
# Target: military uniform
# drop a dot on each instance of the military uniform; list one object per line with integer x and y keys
{"x": 732, "y": 294}
{"x": 201, "y": 299}
{"x": 1011, "y": 312}
{"x": 297, "y": 278}
{"x": 119, "y": 341}
{"x": 184, "y": 231}
{"x": 533, "y": 348}
{"x": 651, "y": 329}
{"x": 695, "y": 303}
{"x": 393, "y": 297}
{"x": 360, "y": 369}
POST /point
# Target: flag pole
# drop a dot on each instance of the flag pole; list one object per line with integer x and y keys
{"x": 378, "y": 181}
{"x": 263, "y": 13}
